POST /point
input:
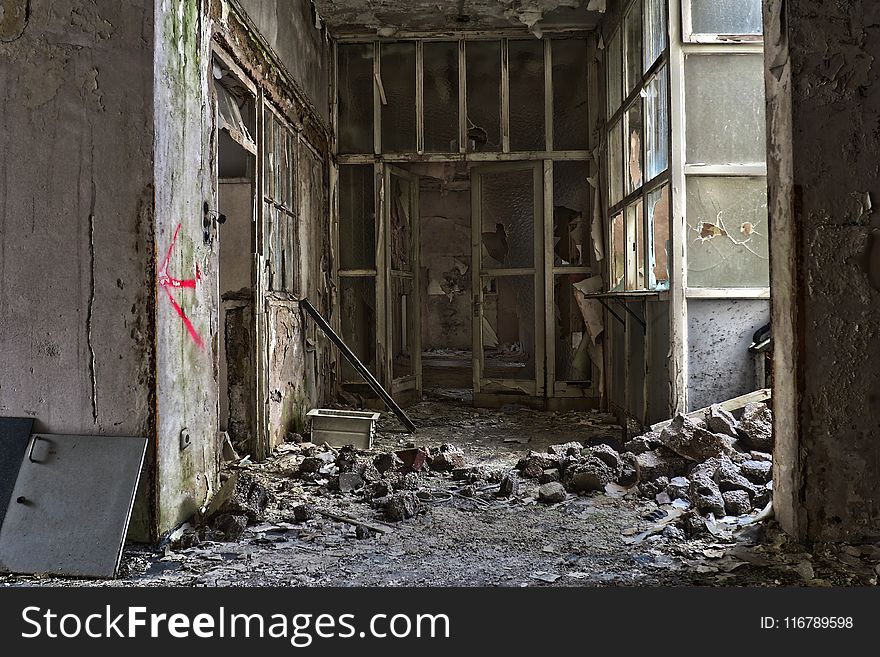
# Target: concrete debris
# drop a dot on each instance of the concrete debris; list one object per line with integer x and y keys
{"x": 590, "y": 474}
{"x": 721, "y": 421}
{"x": 641, "y": 444}
{"x": 447, "y": 458}
{"x": 679, "y": 488}
{"x": 566, "y": 449}
{"x": 608, "y": 456}
{"x": 413, "y": 459}
{"x": 232, "y": 526}
{"x": 756, "y": 427}
{"x": 386, "y": 461}
{"x": 303, "y": 512}
{"x": 241, "y": 494}
{"x": 470, "y": 474}
{"x": 510, "y": 484}
{"x": 533, "y": 465}
{"x": 349, "y": 482}
{"x": 693, "y": 442}
{"x": 705, "y": 494}
{"x": 549, "y": 475}
{"x": 402, "y": 505}
{"x": 737, "y": 502}
{"x": 660, "y": 462}
{"x": 551, "y": 493}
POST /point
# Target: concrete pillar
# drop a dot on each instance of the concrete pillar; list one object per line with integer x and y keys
{"x": 823, "y": 118}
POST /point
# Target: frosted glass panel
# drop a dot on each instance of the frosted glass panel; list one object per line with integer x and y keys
{"x": 483, "y": 95}
{"x": 726, "y": 16}
{"x": 441, "y": 97}
{"x": 571, "y": 213}
{"x": 615, "y": 163}
{"x": 724, "y": 106}
{"x": 357, "y": 219}
{"x": 656, "y": 126}
{"x": 509, "y": 327}
{"x": 508, "y": 213}
{"x": 356, "y": 98}
{"x": 618, "y": 252}
{"x": 572, "y": 339}
{"x": 358, "y": 323}
{"x": 658, "y": 229}
{"x": 727, "y": 242}
{"x": 634, "y": 139}
{"x": 614, "y": 74}
{"x": 632, "y": 47}
{"x": 399, "y": 82}
{"x": 526, "y": 65}
{"x": 655, "y": 31}
{"x": 570, "y": 123}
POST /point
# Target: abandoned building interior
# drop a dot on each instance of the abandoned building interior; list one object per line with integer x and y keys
{"x": 536, "y": 223}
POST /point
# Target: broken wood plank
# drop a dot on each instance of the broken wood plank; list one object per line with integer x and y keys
{"x": 354, "y": 521}
{"x": 731, "y": 405}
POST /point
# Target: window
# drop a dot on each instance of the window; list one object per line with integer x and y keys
{"x": 638, "y": 148}
{"x": 722, "y": 20}
{"x": 279, "y": 197}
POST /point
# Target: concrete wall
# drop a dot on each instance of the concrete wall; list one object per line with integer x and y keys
{"x": 289, "y": 28}
{"x": 187, "y": 348}
{"x": 76, "y": 223}
{"x": 823, "y": 117}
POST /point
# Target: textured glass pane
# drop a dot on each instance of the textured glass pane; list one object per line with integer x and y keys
{"x": 724, "y": 106}
{"x": 441, "y": 97}
{"x": 618, "y": 252}
{"x": 635, "y": 247}
{"x": 484, "y": 95}
{"x": 509, "y": 327}
{"x": 358, "y": 323}
{"x": 655, "y": 30}
{"x": 403, "y": 325}
{"x": 634, "y": 137}
{"x": 632, "y": 47}
{"x": 508, "y": 212}
{"x": 570, "y": 124}
{"x": 399, "y": 82}
{"x": 727, "y": 229}
{"x": 656, "y": 126}
{"x": 572, "y": 339}
{"x": 357, "y": 219}
{"x": 571, "y": 212}
{"x": 400, "y": 199}
{"x": 615, "y": 163}
{"x": 614, "y": 74}
{"x": 526, "y": 65}
{"x": 726, "y": 16}
{"x": 658, "y": 229}
{"x": 356, "y": 84}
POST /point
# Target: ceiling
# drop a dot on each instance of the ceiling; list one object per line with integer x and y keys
{"x": 389, "y": 17}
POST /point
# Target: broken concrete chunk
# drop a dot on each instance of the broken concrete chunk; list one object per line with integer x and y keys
{"x": 510, "y": 484}
{"x": 413, "y": 459}
{"x": 721, "y": 421}
{"x": 591, "y": 474}
{"x": 660, "y": 462}
{"x": 736, "y": 502}
{"x": 233, "y": 526}
{"x": 679, "y": 488}
{"x": 687, "y": 439}
{"x": 705, "y": 495}
{"x": 447, "y": 458}
{"x": 642, "y": 444}
{"x": 346, "y": 459}
{"x": 303, "y": 512}
{"x": 763, "y": 495}
{"x": 241, "y": 494}
{"x": 566, "y": 449}
{"x": 729, "y": 478}
{"x": 652, "y": 488}
{"x": 549, "y": 475}
{"x": 310, "y": 464}
{"x": 608, "y": 456}
{"x": 534, "y": 464}
{"x": 758, "y": 472}
{"x": 469, "y": 474}
{"x": 403, "y": 505}
{"x": 387, "y": 461}
{"x": 551, "y": 493}
{"x": 756, "y": 427}
{"x": 349, "y": 482}
{"x": 761, "y": 456}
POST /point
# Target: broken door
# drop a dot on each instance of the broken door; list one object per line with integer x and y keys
{"x": 507, "y": 240}
{"x": 402, "y": 334}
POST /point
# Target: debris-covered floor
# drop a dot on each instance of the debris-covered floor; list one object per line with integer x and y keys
{"x": 506, "y": 501}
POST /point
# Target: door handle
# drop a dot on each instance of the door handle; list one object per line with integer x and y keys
{"x": 31, "y": 450}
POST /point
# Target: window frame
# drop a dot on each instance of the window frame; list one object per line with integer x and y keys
{"x": 689, "y": 36}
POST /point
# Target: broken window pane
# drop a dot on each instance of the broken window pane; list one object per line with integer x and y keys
{"x": 658, "y": 230}
{"x": 727, "y": 242}
{"x": 573, "y": 340}
{"x": 356, "y": 82}
{"x": 655, "y": 31}
{"x": 441, "y": 97}
{"x": 509, "y": 327}
{"x": 635, "y": 240}
{"x": 571, "y": 213}
{"x": 740, "y": 17}
{"x": 657, "y": 126}
{"x": 570, "y": 123}
{"x": 618, "y": 252}
{"x": 232, "y": 111}
{"x": 403, "y": 325}
{"x": 632, "y": 47}
{"x": 483, "y": 95}
{"x": 633, "y": 142}
{"x": 724, "y": 100}
{"x": 357, "y": 219}
{"x": 508, "y": 218}
{"x": 400, "y": 198}
{"x": 399, "y": 83}
{"x": 615, "y": 163}
{"x": 614, "y": 74}
{"x": 357, "y": 301}
{"x": 526, "y": 66}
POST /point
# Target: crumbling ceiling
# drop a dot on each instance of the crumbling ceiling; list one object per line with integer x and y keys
{"x": 388, "y": 17}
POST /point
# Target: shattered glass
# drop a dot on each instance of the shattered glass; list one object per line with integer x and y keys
{"x": 399, "y": 82}
{"x": 573, "y": 341}
{"x": 526, "y": 66}
{"x": 355, "y": 71}
{"x": 635, "y": 239}
{"x": 508, "y": 218}
{"x": 571, "y": 214}
{"x": 509, "y": 327}
{"x": 483, "y": 96}
{"x": 658, "y": 229}
{"x": 634, "y": 141}
{"x": 441, "y": 97}
{"x": 657, "y": 126}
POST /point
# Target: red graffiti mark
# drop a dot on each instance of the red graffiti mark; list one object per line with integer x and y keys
{"x": 167, "y": 282}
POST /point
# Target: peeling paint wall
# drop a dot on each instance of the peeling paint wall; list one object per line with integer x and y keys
{"x": 76, "y": 222}
{"x": 824, "y": 128}
{"x": 186, "y": 317}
